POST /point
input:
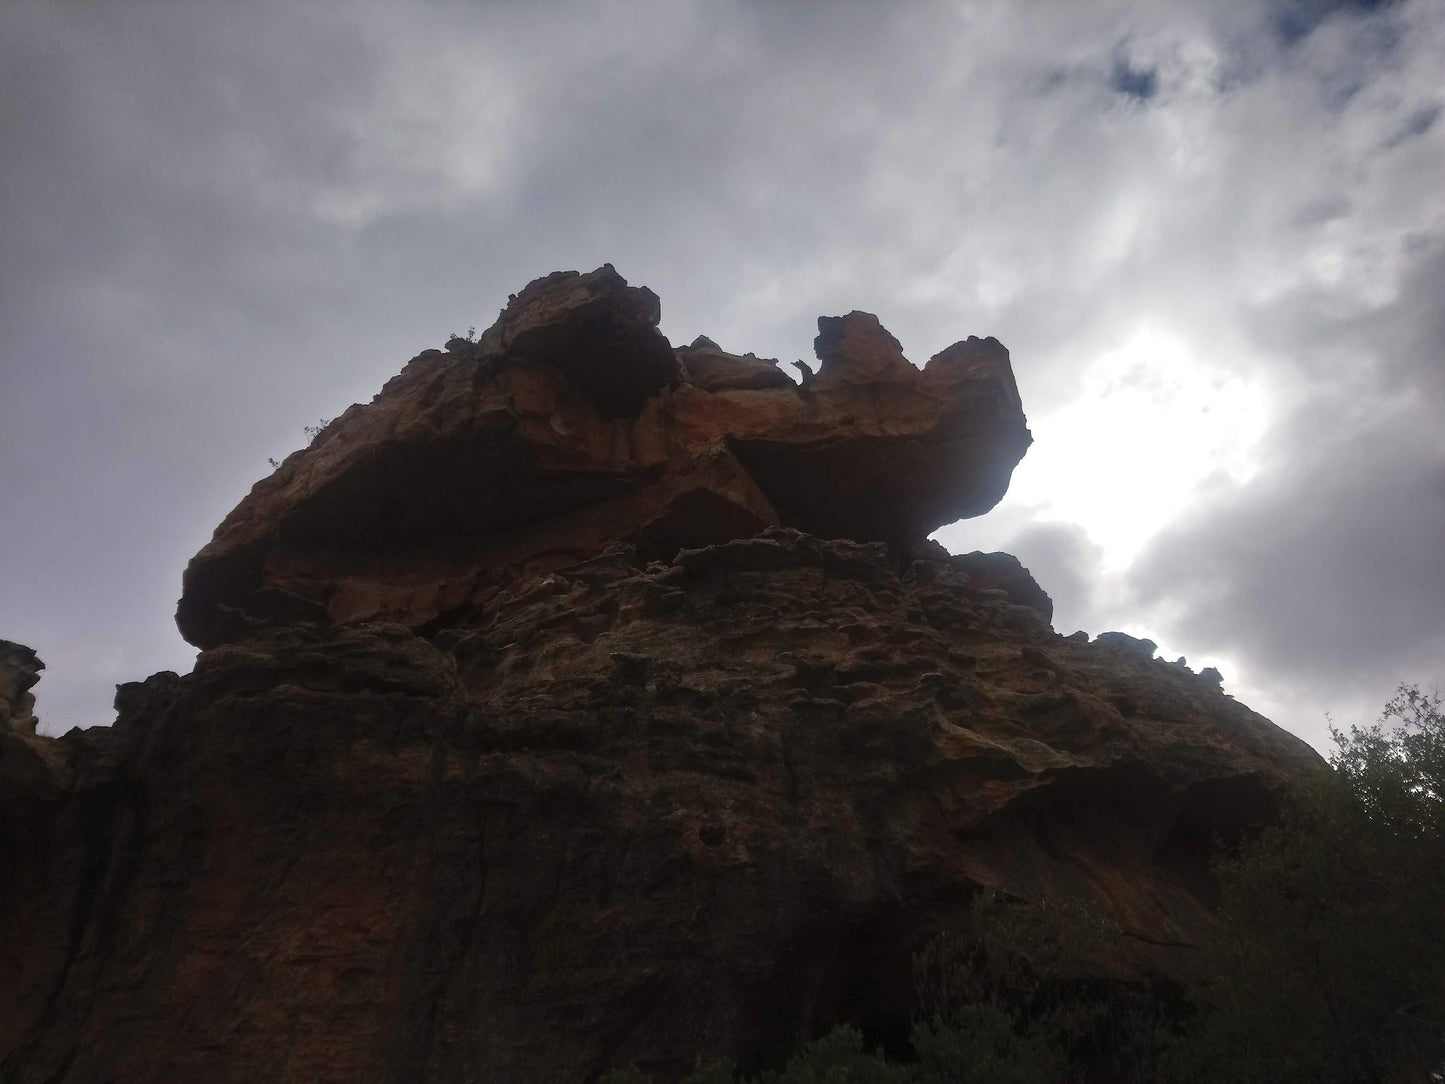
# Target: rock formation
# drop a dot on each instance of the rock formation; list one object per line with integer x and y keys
{"x": 581, "y": 702}
{"x": 19, "y": 671}
{"x": 572, "y": 424}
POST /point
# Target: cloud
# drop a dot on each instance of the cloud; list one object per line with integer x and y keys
{"x": 1133, "y": 82}
{"x": 225, "y": 223}
{"x": 1324, "y": 576}
{"x": 1325, "y": 573}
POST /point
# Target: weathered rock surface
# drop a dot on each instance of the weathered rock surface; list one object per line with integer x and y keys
{"x": 634, "y": 813}
{"x": 29, "y": 765}
{"x": 19, "y": 671}
{"x": 531, "y": 739}
{"x": 571, "y": 424}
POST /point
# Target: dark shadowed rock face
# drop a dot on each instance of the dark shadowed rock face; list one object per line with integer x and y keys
{"x": 633, "y": 813}
{"x": 495, "y": 777}
{"x": 19, "y": 671}
{"x": 32, "y": 773}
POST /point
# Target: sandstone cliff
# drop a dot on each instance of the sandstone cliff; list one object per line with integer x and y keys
{"x": 572, "y": 424}
{"x": 581, "y": 701}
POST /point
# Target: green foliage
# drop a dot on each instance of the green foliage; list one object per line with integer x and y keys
{"x": 1329, "y": 964}
{"x": 1397, "y": 775}
{"x": 312, "y": 434}
{"x": 983, "y": 1044}
{"x": 713, "y": 1072}
{"x": 1013, "y": 1001}
{"x": 837, "y": 1058}
{"x": 992, "y": 1003}
{"x": 1001, "y": 1004}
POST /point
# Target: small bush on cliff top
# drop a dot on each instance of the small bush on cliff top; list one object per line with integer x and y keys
{"x": 1328, "y": 966}
{"x": 314, "y": 431}
{"x": 311, "y": 432}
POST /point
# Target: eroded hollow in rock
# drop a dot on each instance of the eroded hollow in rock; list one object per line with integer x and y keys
{"x": 571, "y": 424}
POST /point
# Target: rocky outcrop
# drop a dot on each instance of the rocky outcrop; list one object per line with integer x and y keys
{"x": 1003, "y": 572}
{"x": 533, "y": 736}
{"x": 19, "y": 671}
{"x": 637, "y": 812}
{"x": 571, "y": 424}
{"x": 31, "y": 768}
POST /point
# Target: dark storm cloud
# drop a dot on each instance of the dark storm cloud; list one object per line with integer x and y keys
{"x": 1294, "y": 20}
{"x": 1132, "y": 82}
{"x": 222, "y": 223}
{"x": 1332, "y": 571}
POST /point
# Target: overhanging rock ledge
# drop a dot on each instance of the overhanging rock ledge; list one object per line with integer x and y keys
{"x": 583, "y": 702}
{"x": 572, "y": 423}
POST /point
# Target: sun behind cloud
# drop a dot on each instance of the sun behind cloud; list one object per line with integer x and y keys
{"x": 1155, "y": 427}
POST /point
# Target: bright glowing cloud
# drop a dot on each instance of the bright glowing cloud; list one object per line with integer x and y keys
{"x": 1154, "y": 427}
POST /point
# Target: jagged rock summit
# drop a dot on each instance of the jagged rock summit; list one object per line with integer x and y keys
{"x": 19, "y": 671}
{"x": 582, "y": 702}
{"x": 572, "y": 423}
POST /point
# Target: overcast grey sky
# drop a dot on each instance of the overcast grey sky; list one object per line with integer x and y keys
{"x": 1212, "y": 236}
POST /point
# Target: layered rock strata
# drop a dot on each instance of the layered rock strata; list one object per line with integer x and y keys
{"x": 534, "y": 737}
{"x": 572, "y": 423}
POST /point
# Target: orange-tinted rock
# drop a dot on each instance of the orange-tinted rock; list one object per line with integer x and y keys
{"x": 1003, "y": 572}
{"x": 857, "y": 349}
{"x": 531, "y": 739}
{"x": 571, "y": 424}
{"x": 714, "y": 370}
{"x": 632, "y": 813}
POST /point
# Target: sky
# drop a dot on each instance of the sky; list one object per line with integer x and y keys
{"x": 1211, "y": 235}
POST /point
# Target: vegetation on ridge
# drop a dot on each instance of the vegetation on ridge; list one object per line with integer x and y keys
{"x": 1327, "y": 965}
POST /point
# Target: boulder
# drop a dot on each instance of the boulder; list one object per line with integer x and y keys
{"x": 712, "y": 369}
{"x": 1126, "y": 644}
{"x": 570, "y": 424}
{"x": 597, "y": 331}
